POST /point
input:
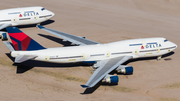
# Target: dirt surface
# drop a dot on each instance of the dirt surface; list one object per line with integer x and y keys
{"x": 102, "y": 21}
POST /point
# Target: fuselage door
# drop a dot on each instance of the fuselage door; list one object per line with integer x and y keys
{"x": 143, "y": 44}
{"x": 158, "y": 49}
{"x": 35, "y": 17}
{"x": 14, "y": 20}
{"x": 47, "y": 58}
{"x": 108, "y": 54}
{"x": 83, "y": 56}
{"x": 136, "y": 52}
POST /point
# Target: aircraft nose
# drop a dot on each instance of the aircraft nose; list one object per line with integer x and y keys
{"x": 174, "y": 45}
{"x": 52, "y": 14}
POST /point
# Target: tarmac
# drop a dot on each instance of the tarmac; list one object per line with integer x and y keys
{"x": 103, "y": 21}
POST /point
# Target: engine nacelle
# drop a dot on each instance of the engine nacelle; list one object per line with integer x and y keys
{"x": 3, "y": 35}
{"x": 125, "y": 69}
{"x": 111, "y": 79}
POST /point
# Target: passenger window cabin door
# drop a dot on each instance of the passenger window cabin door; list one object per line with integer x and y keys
{"x": 136, "y": 51}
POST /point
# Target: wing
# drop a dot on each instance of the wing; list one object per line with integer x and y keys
{"x": 106, "y": 67}
{"x": 23, "y": 58}
{"x": 71, "y": 38}
{"x": 5, "y": 25}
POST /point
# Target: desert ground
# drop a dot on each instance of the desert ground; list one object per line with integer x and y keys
{"x": 102, "y": 21}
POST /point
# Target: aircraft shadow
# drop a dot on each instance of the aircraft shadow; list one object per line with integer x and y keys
{"x": 57, "y": 40}
{"x": 27, "y": 65}
{"x": 47, "y": 22}
{"x": 91, "y": 90}
{"x": 34, "y": 25}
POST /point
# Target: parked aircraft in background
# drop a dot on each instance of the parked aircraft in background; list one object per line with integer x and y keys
{"x": 106, "y": 57}
{"x": 23, "y": 16}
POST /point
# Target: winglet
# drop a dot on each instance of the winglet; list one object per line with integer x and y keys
{"x": 84, "y": 86}
{"x": 39, "y": 26}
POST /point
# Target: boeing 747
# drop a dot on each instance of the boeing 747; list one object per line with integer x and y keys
{"x": 106, "y": 57}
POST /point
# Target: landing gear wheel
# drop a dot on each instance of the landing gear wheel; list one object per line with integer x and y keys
{"x": 159, "y": 58}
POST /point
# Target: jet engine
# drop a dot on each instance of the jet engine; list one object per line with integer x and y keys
{"x": 111, "y": 79}
{"x": 125, "y": 69}
{"x": 3, "y": 36}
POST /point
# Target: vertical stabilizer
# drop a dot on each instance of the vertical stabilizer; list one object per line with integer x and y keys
{"x": 21, "y": 41}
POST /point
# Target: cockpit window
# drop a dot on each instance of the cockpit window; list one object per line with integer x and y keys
{"x": 43, "y": 9}
{"x": 165, "y": 40}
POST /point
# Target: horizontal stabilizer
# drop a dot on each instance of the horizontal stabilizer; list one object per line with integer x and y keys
{"x": 22, "y": 58}
{"x": 5, "y": 25}
{"x": 84, "y": 86}
{"x": 9, "y": 45}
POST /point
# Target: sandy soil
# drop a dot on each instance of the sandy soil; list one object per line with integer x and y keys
{"x": 103, "y": 21}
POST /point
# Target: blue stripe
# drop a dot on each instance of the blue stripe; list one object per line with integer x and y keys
{"x": 152, "y": 43}
{"x": 14, "y": 13}
{"x": 141, "y": 44}
{"x": 135, "y": 44}
{"x": 29, "y": 12}
{"x": 33, "y": 45}
{"x": 13, "y": 30}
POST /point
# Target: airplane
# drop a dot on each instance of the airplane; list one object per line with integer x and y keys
{"x": 22, "y": 16}
{"x": 104, "y": 57}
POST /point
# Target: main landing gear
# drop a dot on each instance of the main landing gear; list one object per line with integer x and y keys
{"x": 159, "y": 58}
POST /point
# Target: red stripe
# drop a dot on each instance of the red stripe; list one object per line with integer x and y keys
{"x": 23, "y": 38}
{"x": 25, "y": 43}
{"x": 15, "y": 44}
{"x": 19, "y": 36}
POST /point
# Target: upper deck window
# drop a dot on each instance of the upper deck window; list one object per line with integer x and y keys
{"x": 43, "y": 9}
{"x": 165, "y": 40}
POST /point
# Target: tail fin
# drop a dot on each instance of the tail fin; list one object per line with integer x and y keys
{"x": 21, "y": 41}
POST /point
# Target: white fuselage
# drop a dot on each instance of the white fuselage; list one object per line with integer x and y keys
{"x": 24, "y": 16}
{"x": 137, "y": 48}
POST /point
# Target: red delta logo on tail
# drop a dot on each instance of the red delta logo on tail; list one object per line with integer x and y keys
{"x": 21, "y": 41}
{"x": 22, "y": 38}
